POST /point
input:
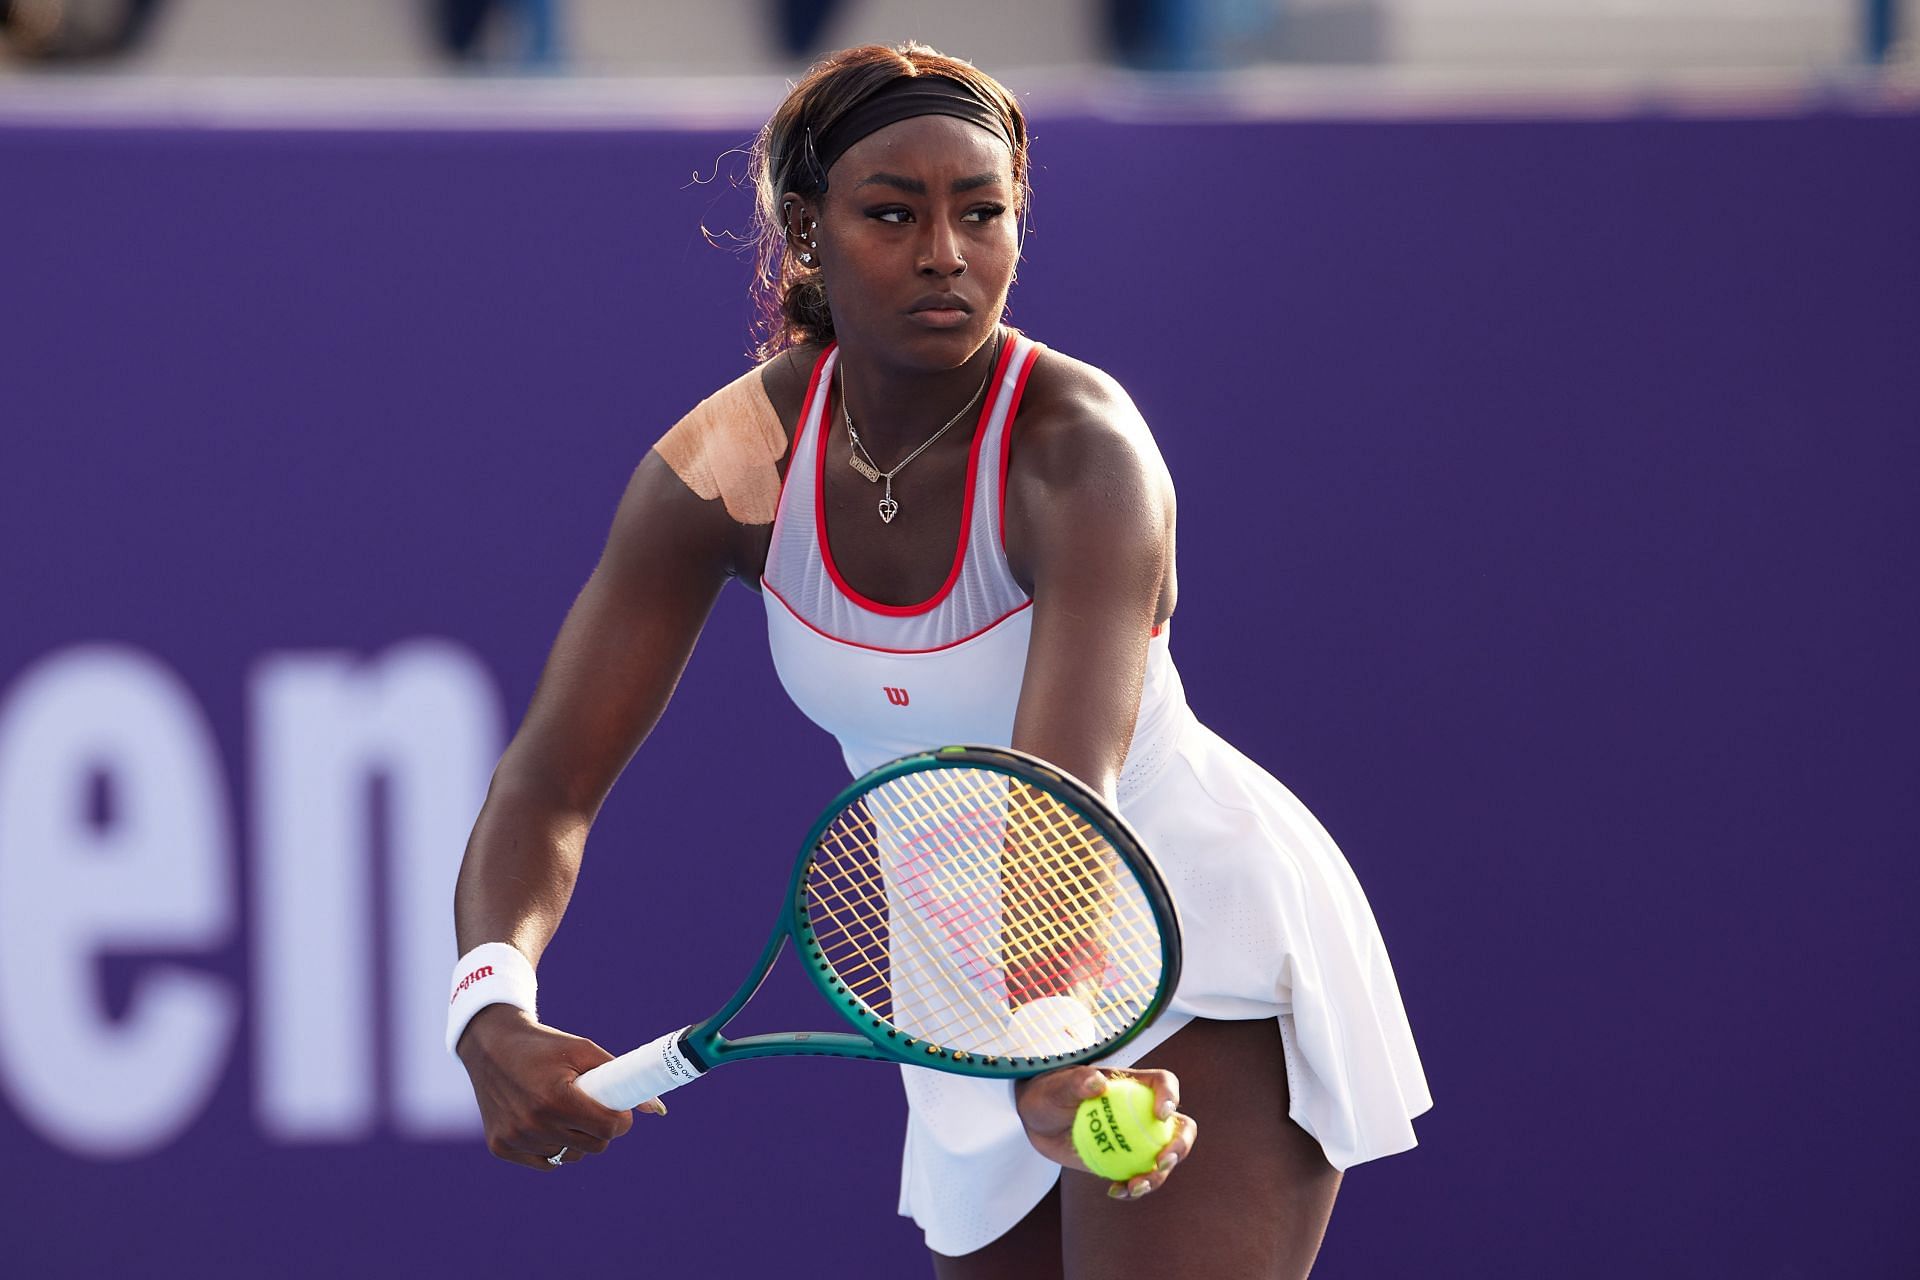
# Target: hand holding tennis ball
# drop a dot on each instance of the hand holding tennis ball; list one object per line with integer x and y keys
{"x": 1054, "y": 1106}
{"x": 1118, "y": 1134}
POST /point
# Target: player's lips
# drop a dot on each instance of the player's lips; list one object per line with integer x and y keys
{"x": 941, "y": 310}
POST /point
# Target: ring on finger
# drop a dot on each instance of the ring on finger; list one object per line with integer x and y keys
{"x": 558, "y": 1156}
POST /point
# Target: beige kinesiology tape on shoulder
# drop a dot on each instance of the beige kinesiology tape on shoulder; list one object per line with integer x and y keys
{"x": 729, "y": 447}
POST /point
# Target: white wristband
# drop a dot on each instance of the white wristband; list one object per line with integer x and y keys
{"x": 491, "y": 973}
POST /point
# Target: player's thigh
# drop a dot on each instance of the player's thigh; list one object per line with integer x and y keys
{"x": 1030, "y": 1251}
{"x": 1253, "y": 1199}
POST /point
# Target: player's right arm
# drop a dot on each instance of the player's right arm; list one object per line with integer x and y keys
{"x": 612, "y": 669}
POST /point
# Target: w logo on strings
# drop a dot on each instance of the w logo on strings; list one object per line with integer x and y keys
{"x": 898, "y": 697}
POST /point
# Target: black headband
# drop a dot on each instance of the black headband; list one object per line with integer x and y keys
{"x": 901, "y": 99}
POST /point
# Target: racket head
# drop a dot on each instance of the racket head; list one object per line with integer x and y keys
{"x": 976, "y": 910}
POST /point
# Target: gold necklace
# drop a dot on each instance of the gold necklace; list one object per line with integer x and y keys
{"x": 862, "y": 461}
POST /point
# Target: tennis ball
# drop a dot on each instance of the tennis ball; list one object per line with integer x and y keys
{"x": 1117, "y": 1133}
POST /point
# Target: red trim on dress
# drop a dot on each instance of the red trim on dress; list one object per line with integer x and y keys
{"x": 793, "y": 460}
{"x": 800, "y": 429}
{"x": 1006, "y": 437}
{"x": 855, "y": 644}
{"x": 966, "y": 514}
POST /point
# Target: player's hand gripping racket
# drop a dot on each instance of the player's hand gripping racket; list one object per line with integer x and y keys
{"x": 970, "y": 909}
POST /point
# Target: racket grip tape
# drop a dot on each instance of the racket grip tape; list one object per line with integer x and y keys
{"x": 641, "y": 1075}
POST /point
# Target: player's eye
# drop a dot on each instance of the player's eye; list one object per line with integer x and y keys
{"x": 985, "y": 213}
{"x": 891, "y": 213}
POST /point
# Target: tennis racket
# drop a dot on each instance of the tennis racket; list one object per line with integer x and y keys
{"x": 970, "y": 909}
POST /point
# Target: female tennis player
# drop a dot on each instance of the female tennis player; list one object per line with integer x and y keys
{"x": 960, "y": 536}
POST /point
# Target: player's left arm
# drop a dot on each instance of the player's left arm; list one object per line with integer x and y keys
{"x": 1090, "y": 527}
{"x": 1090, "y": 521}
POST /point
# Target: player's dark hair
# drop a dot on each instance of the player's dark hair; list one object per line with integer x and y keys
{"x": 789, "y": 296}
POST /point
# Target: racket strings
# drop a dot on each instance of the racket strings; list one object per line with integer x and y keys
{"x": 1060, "y": 910}
{"x": 1083, "y": 924}
{"x": 947, "y": 899}
{"x": 844, "y": 884}
{"x": 928, "y": 978}
{"x": 1058, "y": 915}
{"x": 860, "y": 934}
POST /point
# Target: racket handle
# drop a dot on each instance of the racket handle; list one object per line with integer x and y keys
{"x": 644, "y": 1074}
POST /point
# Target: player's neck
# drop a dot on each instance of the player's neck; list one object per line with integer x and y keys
{"x": 897, "y": 408}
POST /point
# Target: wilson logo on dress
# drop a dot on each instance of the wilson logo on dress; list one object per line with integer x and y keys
{"x": 898, "y": 697}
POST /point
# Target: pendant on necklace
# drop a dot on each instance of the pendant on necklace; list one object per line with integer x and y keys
{"x": 865, "y": 468}
{"x": 888, "y": 509}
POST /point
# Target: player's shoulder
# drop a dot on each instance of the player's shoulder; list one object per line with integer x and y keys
{"x": 786, "y": 377}
{"x": 733, "y": 445}
{"x": 1065, "y": 388}
{"x": 781, "y": 380}
{"x": 1085, "y": 482}
{"x": 1073, "y": 413}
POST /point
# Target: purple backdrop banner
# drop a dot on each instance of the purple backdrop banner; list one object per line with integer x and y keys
{"x": 1547, "y": 524}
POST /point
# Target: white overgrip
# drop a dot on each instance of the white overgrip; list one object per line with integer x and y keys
{"x": 641, "y": 1075}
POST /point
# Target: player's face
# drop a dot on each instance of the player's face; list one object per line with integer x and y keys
{"x": 918, "y": 239}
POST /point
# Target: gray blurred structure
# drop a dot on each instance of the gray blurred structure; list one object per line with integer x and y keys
{"x": 74, "y": 30}
{"x": 628, "y": 38}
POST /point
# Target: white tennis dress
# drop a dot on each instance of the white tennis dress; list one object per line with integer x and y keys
{"x": 1273, "y": 921}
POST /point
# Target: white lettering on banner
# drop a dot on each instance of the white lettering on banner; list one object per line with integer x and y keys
{"x": 156, "y": 871}
{"x": 156, "y": 875}
{"x": 425, "y": 717}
